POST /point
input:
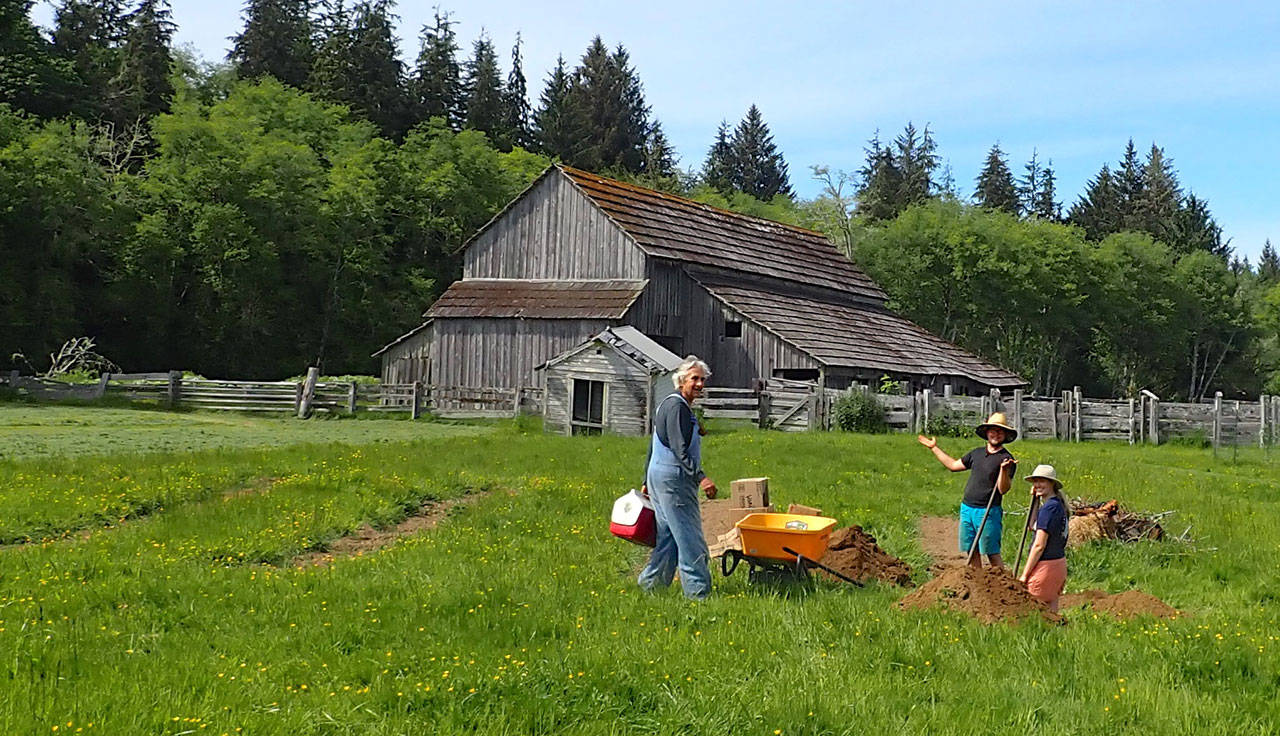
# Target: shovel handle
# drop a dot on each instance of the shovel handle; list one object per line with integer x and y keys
{"x": 805, "y": 560}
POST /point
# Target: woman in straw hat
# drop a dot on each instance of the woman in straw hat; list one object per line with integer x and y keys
{"x": 991, "y": 468}
{"x": 1046, "y": 570}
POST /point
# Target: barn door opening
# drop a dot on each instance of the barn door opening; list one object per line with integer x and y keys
{"x": 588, "y": 407}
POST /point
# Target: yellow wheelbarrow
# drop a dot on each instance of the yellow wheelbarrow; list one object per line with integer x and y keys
{"x": 779, "y": 547}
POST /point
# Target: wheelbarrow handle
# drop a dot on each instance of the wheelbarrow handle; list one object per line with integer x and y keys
{"x": 801, "y": 559}
{"x": 729, "y": 562}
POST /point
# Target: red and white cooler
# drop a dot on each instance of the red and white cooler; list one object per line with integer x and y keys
{"x": 633, "y": 519}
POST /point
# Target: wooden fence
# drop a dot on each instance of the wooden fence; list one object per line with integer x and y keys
{"x": 297, "y": 397}
{"x": 798, "y": 406}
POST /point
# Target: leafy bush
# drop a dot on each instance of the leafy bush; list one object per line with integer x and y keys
{"x": 859, "y": 411}
{"x": 947, "y": 423}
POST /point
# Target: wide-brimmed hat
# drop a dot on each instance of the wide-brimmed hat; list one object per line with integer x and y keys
{"x": 1046, "y": 472}
{"x": 997, "y": 419}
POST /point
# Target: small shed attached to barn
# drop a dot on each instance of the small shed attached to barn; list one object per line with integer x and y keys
{"x": 611, "y": 382}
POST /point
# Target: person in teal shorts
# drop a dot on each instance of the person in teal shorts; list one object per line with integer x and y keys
{"x": 991, "y": 469}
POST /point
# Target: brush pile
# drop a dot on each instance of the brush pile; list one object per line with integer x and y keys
{"x": 1091, "y": 521}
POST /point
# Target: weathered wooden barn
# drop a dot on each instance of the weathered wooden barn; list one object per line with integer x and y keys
{"x": 576, "y": 253}
{"x": 610, "y": 383}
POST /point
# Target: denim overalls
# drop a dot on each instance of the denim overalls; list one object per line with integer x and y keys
{"x": 674, "y": 493}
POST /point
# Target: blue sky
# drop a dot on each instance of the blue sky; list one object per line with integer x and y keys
{"x": 1073, "y": 81}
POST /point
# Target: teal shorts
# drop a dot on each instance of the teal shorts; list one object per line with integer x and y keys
{"x": 971, "y": 519}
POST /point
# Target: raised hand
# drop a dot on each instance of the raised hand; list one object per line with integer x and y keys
{"x": 929, "y": 442}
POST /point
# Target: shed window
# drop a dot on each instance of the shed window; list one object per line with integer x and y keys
{"x": 588, "y": 407}
{"x": 732, "y": 328}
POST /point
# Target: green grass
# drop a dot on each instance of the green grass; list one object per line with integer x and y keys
{"x": 519, "y": 614}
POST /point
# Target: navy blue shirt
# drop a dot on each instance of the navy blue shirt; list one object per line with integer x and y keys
{"x": 984, "y": 470}
{"x": 1053, "y": 519}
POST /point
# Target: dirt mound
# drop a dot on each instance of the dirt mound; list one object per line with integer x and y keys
{"x": 854, "y": 553}
{"x": 986, "y": 593}
{"x": 1124, "y": 605}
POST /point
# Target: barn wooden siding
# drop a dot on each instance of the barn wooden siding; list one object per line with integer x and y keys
{"x": 678, "y": 313}
{"x": 553, "y": 232}
{"x": 502, "y": 353}
{"x": 409, "y": 360}
{"x": 626, "y": 386}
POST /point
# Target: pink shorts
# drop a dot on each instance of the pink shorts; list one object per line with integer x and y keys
{"x": 1047, "y": 579}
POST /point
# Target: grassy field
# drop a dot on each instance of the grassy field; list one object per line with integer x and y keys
{"x": 519, "y": 613}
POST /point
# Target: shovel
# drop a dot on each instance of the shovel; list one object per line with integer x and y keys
{"x": 1032, "y": 506}
{"x": 973, "y": 548}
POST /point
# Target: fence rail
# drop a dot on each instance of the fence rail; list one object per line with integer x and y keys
{"x": 797, "y": 406}
{"x": 297, "y": 397}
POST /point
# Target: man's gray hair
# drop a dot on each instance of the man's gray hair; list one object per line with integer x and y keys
{"x": 682, "y": 373}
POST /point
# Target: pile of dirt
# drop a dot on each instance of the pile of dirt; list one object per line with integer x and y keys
{"x": 853, "y": 552}
{"x": 987, "y": 593}
{"x": 1124, "y": 605}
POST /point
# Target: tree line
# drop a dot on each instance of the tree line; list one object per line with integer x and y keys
{"x": 303, "y": 201}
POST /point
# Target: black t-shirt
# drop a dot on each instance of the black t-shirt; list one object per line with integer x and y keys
{"x": 1053, "y": 519}
{"x": 984, "y": 468}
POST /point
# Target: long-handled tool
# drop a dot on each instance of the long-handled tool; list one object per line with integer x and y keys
{"x": 802, "y": 560}
{"x": 1032, "y": 506}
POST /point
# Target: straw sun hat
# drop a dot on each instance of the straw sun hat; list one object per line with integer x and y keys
{"x": 997, "y": 420}
{"x": 1046, "y": 472}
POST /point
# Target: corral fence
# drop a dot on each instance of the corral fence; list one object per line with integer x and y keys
{"x": 300, "y": 398}
{"x": 796, "y": 406}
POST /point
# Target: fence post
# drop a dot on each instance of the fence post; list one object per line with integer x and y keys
{"x": 102, "y": 385}
{"x": 515, "y": 403}
{"x": 1153, "y": 429}
{"x": 926, "y": 401}
{"x": 307, "y": 392}
{"x": 352, "y": 397}
{"x": 946, "y": 391}
{"x": 1076, "y": 411}
{"x": 764, "y": 409}
{"x": 913, "y": 414}
{"x": 413, "y": 401}
{"x": 1217, "y": 419}
{"x": 13, "y": 379}
{"x": 1017, "y": 411}
{"x": 1066, "y": 416}
{"x": 1262, "y": 421}
{"x": 175, "y": 388}
{"x": 1133, "y": 418}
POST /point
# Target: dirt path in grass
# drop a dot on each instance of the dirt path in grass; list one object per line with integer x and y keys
{"x": 368, "y": 539}
{"x": 938, "y": 538}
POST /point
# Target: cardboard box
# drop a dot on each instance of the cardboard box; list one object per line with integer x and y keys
{"x": 750, "y": 492}
{"x": 718, "y": 517}
{"x": 796, "y": 508}
{"x": 727, "y": 541}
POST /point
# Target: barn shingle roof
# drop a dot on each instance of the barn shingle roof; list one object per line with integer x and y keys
{"x": 667, "y": 226}
{"x": 588, "y": 299}
{"x": 850, "y": 335}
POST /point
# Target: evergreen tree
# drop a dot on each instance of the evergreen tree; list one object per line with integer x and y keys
{"x": 1045, "y": 204}
{"x": 141, "y": 88}
{"x": 437, "y": 82}
{"x": 332, "y": 72}
{"x": 483, "y": 89}
{"x": 32, "y": 78}
{"x": 379, "y": 90}
{"x": 1195, "y": 229}
{"x": 1129, "y": 186}
{"x": 1099, "y": 212}
{"x": 659, "y": 156}
{"x": 1269, "y": 265}
{"x": 88, "y": 34}
{"x": 916, "y": 159}
{"x": 881, "y": 181}
{"x": 1029, "y": 185}
{"x": 515, "y": 102}
{"x": 553, "y": 130}
{"x": 757, "y": 167}
{"x": 995, "y": 188}
{"x": 276, "y": 41}
{"x": 607, "y": 108}
{"x": 1155, "y": 209}
{"x": 717, "y": 170}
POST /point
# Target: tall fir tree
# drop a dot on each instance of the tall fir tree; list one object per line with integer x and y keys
{"x": 1045, "y": 203}
{"x": 1029, "y": 184}
{"x": 515, "y": 102}
{"x": 89, "y": 34}
{"x": 1269, "y": 265}
{"x": 995, "y": 189}
{"x": 1130, "y": 184}
{"x": 881, "y": 182}
{"x": 333, "y": 76}
{"x": 717, "y": 170}
{"x": 378, "y": 75}
{"x": 1155, "y": 210}
{"x": 916, "y": 158}
{"x": 553, "y": 131}
{"x": 608, "y": 111}
{"x": 660, "y": 156}
{"x": 1100, "y": 209}
{"x": 141, "y": 89}
{"x": 1195, "y": 229}
{"x": 483, "y": 89}
{"x": 276, "y": 41}
{"x": 758, "y": 168}
{"x": 32, "y": 77}
{"x": 436, "y": 87}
